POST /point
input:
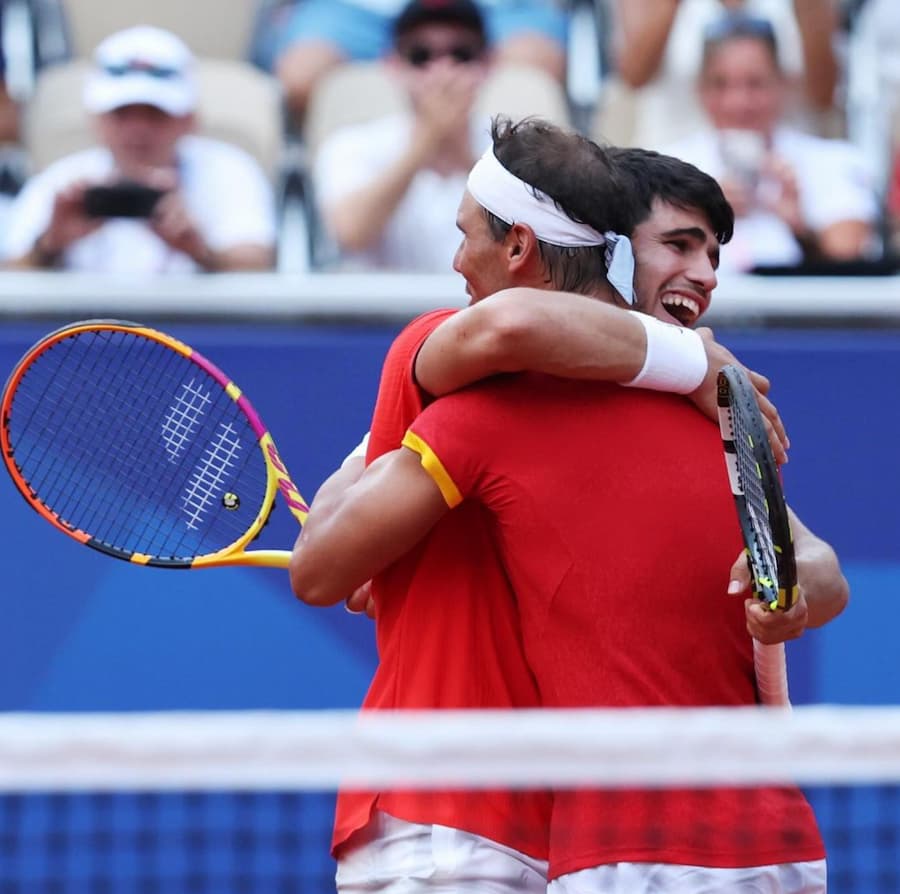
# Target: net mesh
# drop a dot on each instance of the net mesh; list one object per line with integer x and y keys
{"x": 241, "y": 802}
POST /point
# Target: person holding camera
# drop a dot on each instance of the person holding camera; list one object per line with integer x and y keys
{"x": 798, "y": 199}
{"x": 152, "y": 197}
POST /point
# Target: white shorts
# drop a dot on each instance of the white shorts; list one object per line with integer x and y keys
{"x": 392, "y": 856}
{"x": 658, "y": 878}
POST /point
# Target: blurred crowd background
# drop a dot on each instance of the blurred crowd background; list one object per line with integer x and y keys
{"x": 152, "y": 136}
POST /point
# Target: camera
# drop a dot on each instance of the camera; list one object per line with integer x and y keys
{"x": 126, "y": 198}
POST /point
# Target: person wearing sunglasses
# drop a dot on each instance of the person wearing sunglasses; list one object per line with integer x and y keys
{"x": 151, "y": 196}
{"x": 303, "y": 41}
{"x": 388, "y": 188}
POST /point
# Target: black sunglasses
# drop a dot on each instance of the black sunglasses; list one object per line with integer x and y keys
{"x": 137, "y": 66}
{"x": 420, "y": 55}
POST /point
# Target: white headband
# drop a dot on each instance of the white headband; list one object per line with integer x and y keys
{"x": 515, "y": 201}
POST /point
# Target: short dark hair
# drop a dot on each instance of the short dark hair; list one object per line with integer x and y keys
{"x": 649, "y": 175}
{"x": 577, "y": 174}
{"x": 737, "y": 25}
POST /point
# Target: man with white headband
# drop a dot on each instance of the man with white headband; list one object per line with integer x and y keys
{"x": 447, "y": 624}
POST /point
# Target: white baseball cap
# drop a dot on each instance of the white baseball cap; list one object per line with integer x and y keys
{"x": 142, "y": 66}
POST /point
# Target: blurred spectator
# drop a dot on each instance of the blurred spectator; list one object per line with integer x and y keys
{"x": 152, "y": 197}
{"x": 388, "y": 188}
{"x": 893, "y": 207}
{"x": 11, "y": 156}
{"x": 319, "y": 35}
{"x": 796, "y": 197}
{"x": 657, "y": 49}
{"x": 873, "y": 94}
{"x": 9, "y": 110}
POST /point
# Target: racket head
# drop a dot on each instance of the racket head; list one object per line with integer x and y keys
{"x": 758, "y": 494}
{"x": 132, "y": 443}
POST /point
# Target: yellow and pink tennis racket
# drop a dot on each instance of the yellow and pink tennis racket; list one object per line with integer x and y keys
{"x": 134, "y": 444}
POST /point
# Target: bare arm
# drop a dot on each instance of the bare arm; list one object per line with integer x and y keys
{"x": 845, "y": 240}
{"x": 241, "y": 257}
{"x": 370, "y": 525}
{"x": 817, "y": 21}
{"x": 819, "y": 574}
{"x": 644, "y": 32}
{"x": 518, "y": 329}
{"x": 561, "y": 334}
{"x": 357, "y": 221}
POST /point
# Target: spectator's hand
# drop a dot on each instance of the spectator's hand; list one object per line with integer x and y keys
{"x": 360, "y": 601}
{"x": 739, "y": 194}
{"x": 173, "y": 223}
{"x": 445, "y": 95}
{"x": 780, "y": 193}
{"x": 769, "y": 627}
{"x": 705, "y": 396}
{"x": 68, "y": 222}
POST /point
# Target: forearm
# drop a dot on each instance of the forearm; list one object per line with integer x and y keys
{"x": 40, "y": 257}
{"x": 366, "y": 527}
{"x": 817, "y": 21}
{"x": 520, "y": 329}
{"x": 819, "y": 574}
{"x": 357, "y": 221}
{"x": 644, "y": 32}
{"x": 247, "y": 257}
{"x": 845, "y": 240}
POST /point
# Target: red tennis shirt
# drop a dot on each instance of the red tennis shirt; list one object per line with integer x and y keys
{"x": 613, "y": 515}
{"x": 448, "y": 636}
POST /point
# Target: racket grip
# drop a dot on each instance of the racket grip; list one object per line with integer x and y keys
{"x": 770, "y": 665}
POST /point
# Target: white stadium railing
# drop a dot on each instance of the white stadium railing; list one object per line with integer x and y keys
{"x": 739, "y": 300}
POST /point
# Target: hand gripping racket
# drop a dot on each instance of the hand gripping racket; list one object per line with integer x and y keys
{"x": 763, "y": 517}
{"x": 131, "y": 442}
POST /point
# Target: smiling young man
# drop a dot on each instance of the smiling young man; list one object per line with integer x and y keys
{"x": 480, "y": 450}
{"x": 447, "y": 626}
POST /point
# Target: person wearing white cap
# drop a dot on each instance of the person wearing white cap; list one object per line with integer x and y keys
{"x": 152, "y": 197}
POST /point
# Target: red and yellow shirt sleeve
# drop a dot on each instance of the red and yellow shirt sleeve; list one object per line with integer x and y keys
{"x": 435, "y": 468}
{"x": 400, "y": 399}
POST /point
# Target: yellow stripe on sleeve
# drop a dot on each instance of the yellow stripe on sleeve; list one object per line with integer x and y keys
{"x": 435, "y": 468}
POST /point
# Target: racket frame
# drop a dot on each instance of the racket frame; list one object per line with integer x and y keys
{"x": 736, "y": 395}
{"x": 278, "y": 479}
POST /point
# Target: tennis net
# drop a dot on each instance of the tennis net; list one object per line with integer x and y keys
{"x": 243, "y": 801}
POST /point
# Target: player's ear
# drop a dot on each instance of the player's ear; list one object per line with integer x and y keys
{"x": 521, "y": 245}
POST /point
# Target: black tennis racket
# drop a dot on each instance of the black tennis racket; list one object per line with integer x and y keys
{"x": 131, "y": 442}
{"x": 763, "y": 516}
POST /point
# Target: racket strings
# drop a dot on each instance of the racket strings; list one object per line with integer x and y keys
{"x": 135, "y": 444}
{"x": 751, "y": 484}
{"x": 101, "y": 510}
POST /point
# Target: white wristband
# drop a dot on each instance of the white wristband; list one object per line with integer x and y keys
{"x": 675, "y": 361}
{"x": 359, "y": 451}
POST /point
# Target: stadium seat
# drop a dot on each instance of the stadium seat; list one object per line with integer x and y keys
{"x": 238, "y": 103}
{"x": 219, "y": 28}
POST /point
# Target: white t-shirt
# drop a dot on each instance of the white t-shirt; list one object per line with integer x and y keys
{"x": 421, "y": 235}
{"x": 225, "y": 191}
{"x": 833, "y": 182}
{"x": 668, "y": 107}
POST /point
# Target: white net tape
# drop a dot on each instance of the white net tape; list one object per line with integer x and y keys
{"x": 322, "y": 750}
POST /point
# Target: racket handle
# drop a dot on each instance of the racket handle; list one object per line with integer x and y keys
{"x": 770, "y": 664}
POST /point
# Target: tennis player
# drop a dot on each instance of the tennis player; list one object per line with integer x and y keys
{"x": 567, "y": 535}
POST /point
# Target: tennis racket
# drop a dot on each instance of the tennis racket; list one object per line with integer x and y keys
{"x": 763, "y": 517}
{"x": 134, "y": 444}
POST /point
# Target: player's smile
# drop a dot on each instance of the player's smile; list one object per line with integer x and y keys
{"x": 684, "y": 304}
